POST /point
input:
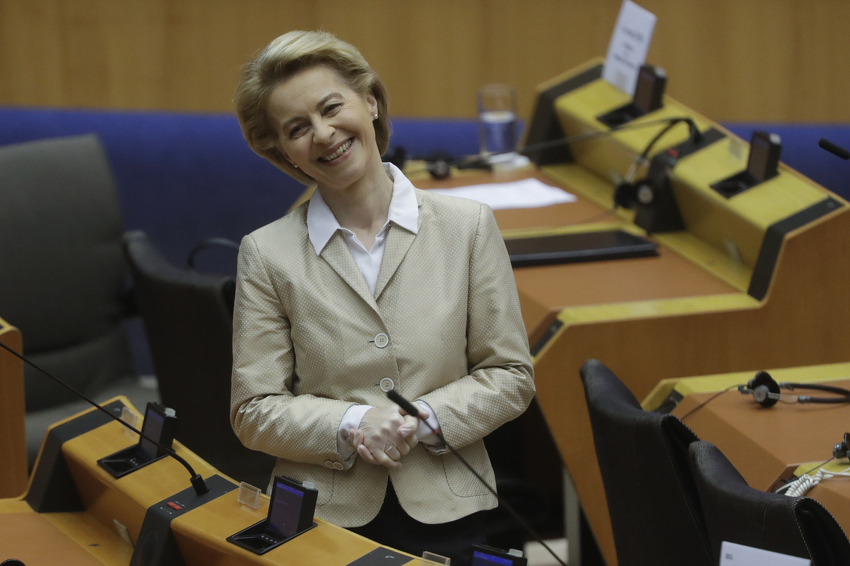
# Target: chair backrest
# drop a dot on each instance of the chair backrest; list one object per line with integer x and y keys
{"x": 63, "y": 273}
{"x": 643, "y": 457}
{"x": 188, "y": 318}
{"x": 736, "y": 512}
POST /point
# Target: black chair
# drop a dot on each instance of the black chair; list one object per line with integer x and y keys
{"x": 63, "y": 277}
{"x": 188, "y": 318}
{"x": 736, "y": 512}
{"x": 643, "y": 457}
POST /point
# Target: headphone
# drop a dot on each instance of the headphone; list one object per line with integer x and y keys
{"x": 643, "y": 192}
{"x": 628, "y": 195}
{"x": 842, "y": 449}
{"x": 766, "y": 393}
{"x": 438, "y": 164}
{"x": 806, "y": 481}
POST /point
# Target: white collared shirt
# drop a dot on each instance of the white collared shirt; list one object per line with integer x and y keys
{"x": 321, "y": 226}
{"x": 403, "y": 212}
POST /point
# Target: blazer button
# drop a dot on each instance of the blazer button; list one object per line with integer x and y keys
{"x": 329, "y": 463}
{"x": 387, "y": 384}
{"x": 381, "y": 340}
{"x": 338, "y": 466}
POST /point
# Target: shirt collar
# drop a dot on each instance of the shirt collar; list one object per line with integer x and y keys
{"x": 404, "y": 211}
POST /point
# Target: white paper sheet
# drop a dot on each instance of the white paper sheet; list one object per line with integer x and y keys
{"x": 528, "y": 193}
{"x": 629, "y": 46}
{"x": 732, "y": 554}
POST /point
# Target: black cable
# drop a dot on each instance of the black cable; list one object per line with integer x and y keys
{"x": 197, "y": 480}
{"x": 706, "y": 402}
{"x": 844, "y": 394}
{"x": 590, "y": 219}
{"x": 475, "y": 160}
{"x": 695, "y": 135}
{"x": 789, "y": 481}
{"x": 602, "y": 133}
{"x": 818, "y": 466}
{"x": 411, "y": 409}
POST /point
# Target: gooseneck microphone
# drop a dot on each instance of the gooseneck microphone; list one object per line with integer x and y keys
{"x": 696, "y": 135}
{"x": 198, "y": 483}
{"x": 411, "y": 409}
{"x": 441, "y": 168}
{"x": 838, "y": 151}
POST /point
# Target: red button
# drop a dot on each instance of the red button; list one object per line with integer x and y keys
{"x": 174, "y": 505}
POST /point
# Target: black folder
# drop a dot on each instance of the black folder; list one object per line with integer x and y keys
{"x": 578, "y": 246}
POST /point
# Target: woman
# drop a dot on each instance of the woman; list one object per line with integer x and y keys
{"x": 370, "y": 286}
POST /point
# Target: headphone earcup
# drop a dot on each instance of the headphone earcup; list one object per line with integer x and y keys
{"x": 397, "y": 156}
{"x": 762, "y": 385}
{"x": 625, "y": 195}
{"x": 841, "y": 449}
{"x": 439, "y": 169}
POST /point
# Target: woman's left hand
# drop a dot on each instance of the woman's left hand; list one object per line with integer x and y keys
{"x": 384, "y": 436}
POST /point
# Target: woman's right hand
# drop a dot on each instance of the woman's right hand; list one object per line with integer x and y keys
{"x": 384, "y": 436}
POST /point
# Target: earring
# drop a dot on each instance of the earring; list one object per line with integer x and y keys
{"x": 294, "y": 165}
{"x": 376, "y": 116}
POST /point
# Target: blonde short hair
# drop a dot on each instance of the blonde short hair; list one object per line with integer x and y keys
{"x": 283, "y": 58}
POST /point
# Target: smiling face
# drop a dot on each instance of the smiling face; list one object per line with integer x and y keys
{"x": 325, "y": 128}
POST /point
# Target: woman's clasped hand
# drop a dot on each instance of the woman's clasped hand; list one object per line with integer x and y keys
{"x": 385, "y": 435}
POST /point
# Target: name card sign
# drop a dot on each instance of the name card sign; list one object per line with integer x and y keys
{"x": 732, "y": 554}
{"x": 629, "y": 46}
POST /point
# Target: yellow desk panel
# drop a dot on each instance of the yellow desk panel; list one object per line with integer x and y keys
{"x": 91, "y": 536}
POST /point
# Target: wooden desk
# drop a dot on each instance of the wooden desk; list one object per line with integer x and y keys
{"x": 33, "y": 539}
{"x": 771, "y": 291}
{"x": 554, "y": 293}
{"x": 765, "y": 444}
{"x": 545, "y": 291}
{"x": 655, "y": 318}
{"x": 87, "y": 535}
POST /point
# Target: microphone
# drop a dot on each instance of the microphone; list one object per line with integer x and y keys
{"x": 441, "y": 168}
{"x": 411, "y": 409}
{"x": 834, "y": 149}
{"x": 197, "y": 481}
{"x": 696, "y": 135}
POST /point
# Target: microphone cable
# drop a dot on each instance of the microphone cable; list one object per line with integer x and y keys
{"x": 800, "y": 486}
{"x": 696, "y": 136}
{"x": 411, "y": 409}
{"x": 706, "y": 402}
{"x": 477, "y": 160}
{"x": 197, "y": 481}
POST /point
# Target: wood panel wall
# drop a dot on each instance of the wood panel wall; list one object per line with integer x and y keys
{"x": 732, "y": 60}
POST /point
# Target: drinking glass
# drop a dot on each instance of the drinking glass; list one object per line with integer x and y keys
{"x": 497, "y": 121}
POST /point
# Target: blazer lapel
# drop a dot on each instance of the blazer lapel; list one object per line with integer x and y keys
{"x": 398, "y": 242}
{"x": 339, "y": 258}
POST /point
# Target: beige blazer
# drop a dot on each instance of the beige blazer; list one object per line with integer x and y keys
{"x": 308, "y": 344}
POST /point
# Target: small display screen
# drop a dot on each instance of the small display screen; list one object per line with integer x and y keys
{"x": 644, "y": 89}
{"x": 484, "y": 559}
{"x": 151, "y": 428}
{"x": 285, "y": 509}
{"x": 757, "y": 165}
